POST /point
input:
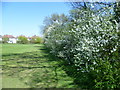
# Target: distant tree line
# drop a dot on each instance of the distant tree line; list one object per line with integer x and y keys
{"x": 32, "y": 40}
{"x": 23, "y": 39}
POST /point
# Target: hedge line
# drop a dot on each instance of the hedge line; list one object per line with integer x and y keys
{"x": 90, "y": 43}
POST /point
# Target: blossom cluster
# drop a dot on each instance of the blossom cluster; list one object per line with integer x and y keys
{"x": 85, "y": 41}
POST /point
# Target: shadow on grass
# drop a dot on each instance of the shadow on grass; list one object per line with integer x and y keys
{"x": 43, "y": 69}
{"x": 69, "y": 69}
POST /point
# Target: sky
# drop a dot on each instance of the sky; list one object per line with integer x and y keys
{"x": 26, "y": 18}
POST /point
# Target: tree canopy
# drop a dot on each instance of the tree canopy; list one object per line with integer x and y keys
{"x": 89, "y": 40}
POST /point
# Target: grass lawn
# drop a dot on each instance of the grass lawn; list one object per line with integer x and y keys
{"x": 30, "y": 65}
{"x": 18, "y": 48}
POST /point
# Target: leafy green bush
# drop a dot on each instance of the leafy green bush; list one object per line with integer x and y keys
{"x": 90, "y": 43}
{"x": 22, "y": 40}
{"x": 36, "y": 40}
{"x": 5, "y": 40}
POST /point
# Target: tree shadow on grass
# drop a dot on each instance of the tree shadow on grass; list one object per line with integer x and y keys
{"x": 42, "y": 69}
{"x": 69, "y": 69}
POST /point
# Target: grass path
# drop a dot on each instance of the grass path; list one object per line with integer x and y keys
{"x": 32, "y": 66}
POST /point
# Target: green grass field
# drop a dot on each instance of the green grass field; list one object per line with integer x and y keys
{"x": 31, "y": 66}
{"x": 18, "y": 48}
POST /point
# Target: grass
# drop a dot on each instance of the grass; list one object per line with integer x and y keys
{"x": 12, "y": 82}
{"x": 18, "y": 48}
{"x": 30, "y": 65}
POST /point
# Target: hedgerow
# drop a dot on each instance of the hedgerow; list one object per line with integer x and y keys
{"x": 89, "y": 42}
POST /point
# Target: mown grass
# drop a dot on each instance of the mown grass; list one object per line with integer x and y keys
{"x": 32, "y": 66}
{"x": 19, "y": 48}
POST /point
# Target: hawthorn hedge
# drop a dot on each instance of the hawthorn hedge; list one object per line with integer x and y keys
{"x": 91, "y": 44}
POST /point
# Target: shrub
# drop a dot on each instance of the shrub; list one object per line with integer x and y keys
{"x": 90, "y": 43}
{"x": 36, "y": 40}
{"x": 5, "y": 40}
{"x": 22, "y": 40}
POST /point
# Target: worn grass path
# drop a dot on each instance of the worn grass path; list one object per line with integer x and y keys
{"x": 31, "y": 66}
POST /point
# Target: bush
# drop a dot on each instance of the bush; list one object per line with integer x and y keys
{"x": 90, "y": 43}
{"x": 5, "y": 40}
{"x": 36, "y": 40}
{"x": 22, "y": 40}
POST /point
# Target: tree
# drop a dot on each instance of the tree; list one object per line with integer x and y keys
{"x": 99, "y": 7}
{"x": 36, "y": 40}
{"x": 5, "y": 40}
{"x": 22, "y": 40}
{"x": 54, "y": 19}
{"x": 89, "y": 41}
{"x": 117, "y": 11}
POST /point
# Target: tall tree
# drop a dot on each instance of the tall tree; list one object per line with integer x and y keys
{"x": 117, "y": 11}
{"x": 99, "y": 7}
{"x": 54, "y": 19}
{"x": 22, "y": 40}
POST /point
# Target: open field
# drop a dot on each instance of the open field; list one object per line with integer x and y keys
{"x": 18, "y": 48}
{"x": 31, "y": 66}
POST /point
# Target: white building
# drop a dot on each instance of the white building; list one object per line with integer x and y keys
{"x": 12, "y": 40}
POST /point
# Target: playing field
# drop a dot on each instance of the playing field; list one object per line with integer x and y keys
{"x": 31, "y": 66}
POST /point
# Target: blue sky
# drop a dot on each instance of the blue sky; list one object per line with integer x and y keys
{"x": 26, "y": 18}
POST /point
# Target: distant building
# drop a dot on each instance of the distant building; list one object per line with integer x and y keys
{"x": 33, "y": 37}
{"x": 29, "y": 38}
{"x": 12, "y": 39}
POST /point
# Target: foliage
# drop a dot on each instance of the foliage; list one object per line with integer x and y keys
{"x": 54, "y": 19}
{"x": 90, "y": 43}
{"x": 22, "y": 40}
{"x": 117, "y": 11}
{"x": 36, "y": 40}
{"x": 5, "y": 40}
